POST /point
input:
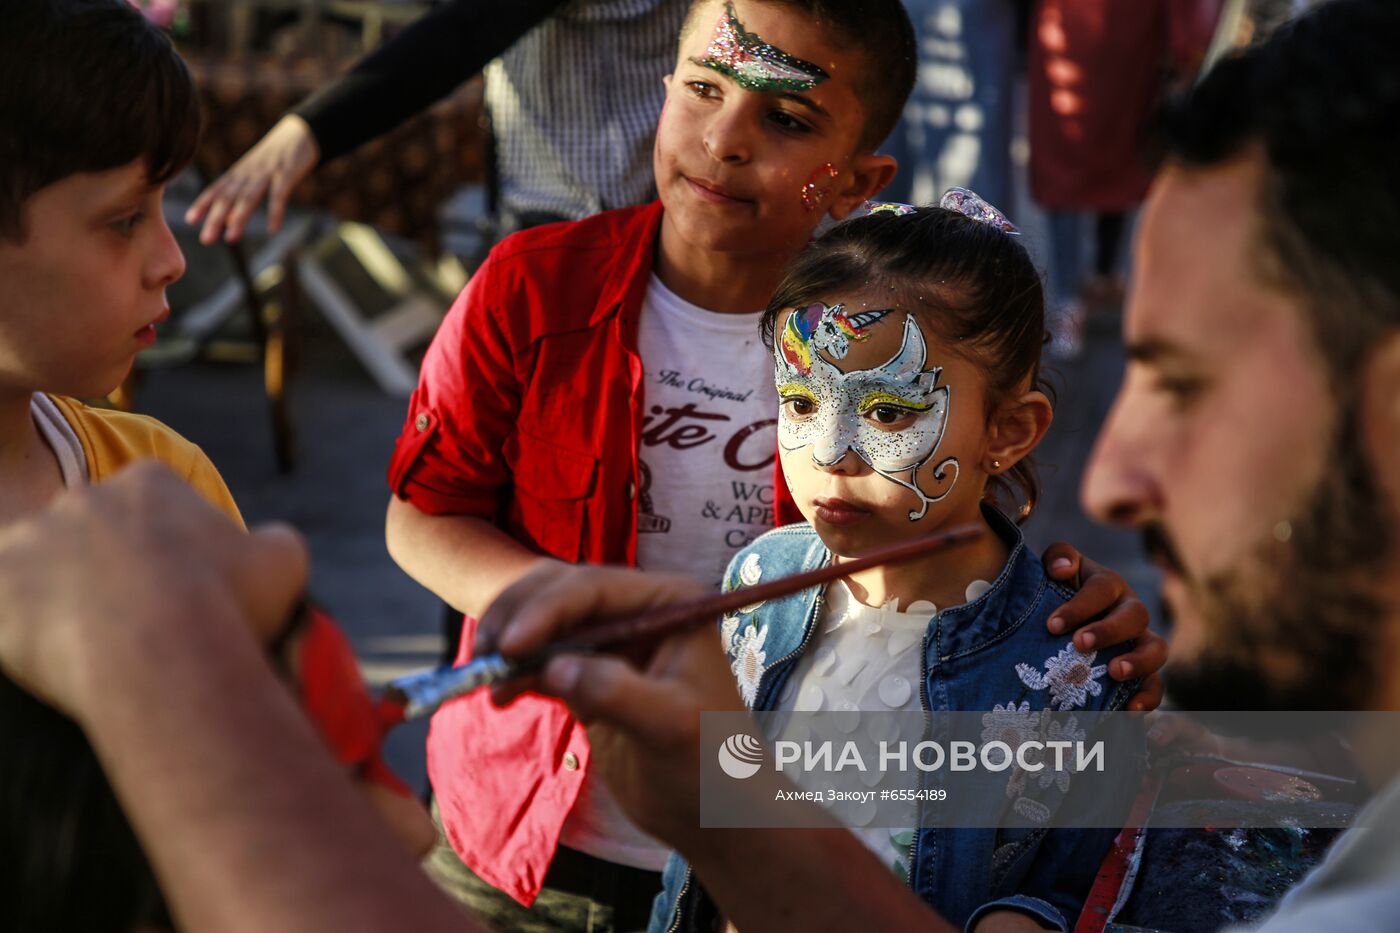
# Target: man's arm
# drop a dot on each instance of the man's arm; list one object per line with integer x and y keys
{"x": 132, "y": 607}
{"x": 644, "y": 730}
{"x": 808, "y": 879}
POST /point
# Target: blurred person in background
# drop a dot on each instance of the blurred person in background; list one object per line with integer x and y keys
{"x": 573, "y": 99}
{"x": 957, "y": 126}
{"x": 1097, "y": 70}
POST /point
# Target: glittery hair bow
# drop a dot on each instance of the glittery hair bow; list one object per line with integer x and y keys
{"x": 889, "y": 207}
{"x": 968, "y": 204}
{"x": 965, "y": 202}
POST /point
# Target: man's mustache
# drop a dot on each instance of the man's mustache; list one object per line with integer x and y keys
{"x": 1159, "y": 547}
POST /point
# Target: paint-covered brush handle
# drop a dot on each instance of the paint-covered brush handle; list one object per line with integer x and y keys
{"x": 419, "y": 694}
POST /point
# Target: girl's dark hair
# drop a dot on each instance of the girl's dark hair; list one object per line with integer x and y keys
{"x": 87, "y": 86}
{"x": 972, "y": 283}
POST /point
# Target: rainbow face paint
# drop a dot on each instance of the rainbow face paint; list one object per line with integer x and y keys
{"x": 826, "y": 328}
{"x": 754, "y": 64}
{"x": 832, "y": 411}
{"x": 813, "y": 194}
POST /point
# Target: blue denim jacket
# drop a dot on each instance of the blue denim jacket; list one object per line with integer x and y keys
{"x": 970, "y": 657}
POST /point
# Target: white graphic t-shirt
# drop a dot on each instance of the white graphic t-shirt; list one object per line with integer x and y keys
{"x": 705, "y": 490}
{"x": 708, "y": 439}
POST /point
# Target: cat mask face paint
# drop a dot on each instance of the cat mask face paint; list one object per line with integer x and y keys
{"x": 756, "y": 65}
{"x": 836, "y": 407}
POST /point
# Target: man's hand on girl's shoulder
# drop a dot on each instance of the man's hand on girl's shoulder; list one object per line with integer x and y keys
{"x": 1104, "y": 612}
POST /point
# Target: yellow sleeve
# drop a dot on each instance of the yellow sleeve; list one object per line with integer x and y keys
{"x": 205, "y": 479}
{"x": 112, "y": 439}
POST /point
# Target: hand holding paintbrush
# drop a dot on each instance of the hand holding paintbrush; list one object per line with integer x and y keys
{"x": 509, "y": 645}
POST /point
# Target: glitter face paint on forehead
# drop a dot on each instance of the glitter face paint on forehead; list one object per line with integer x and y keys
{"x": 826, "y": 328}
{"x": 754, "y": 64}
{"x": 841, "y": 401}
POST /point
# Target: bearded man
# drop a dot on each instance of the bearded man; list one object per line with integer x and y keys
{"x": 1254, "y": 440}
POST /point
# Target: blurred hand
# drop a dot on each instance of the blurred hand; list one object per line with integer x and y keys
{"x": 643, "y": 715}
{"x": 277, "y": 164}
{"x": 91, "y": 587}
{"x": 95, "y": 588}
{"x": 1105, "y": 612}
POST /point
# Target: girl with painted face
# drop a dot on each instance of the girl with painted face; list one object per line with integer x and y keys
{"x": 906, "y": 350}
{"x": 907, "y": 361}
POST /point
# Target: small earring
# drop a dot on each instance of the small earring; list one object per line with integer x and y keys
{"x": 996, "y": 464}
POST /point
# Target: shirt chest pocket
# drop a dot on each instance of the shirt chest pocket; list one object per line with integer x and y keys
{"x": 552, "y": 486}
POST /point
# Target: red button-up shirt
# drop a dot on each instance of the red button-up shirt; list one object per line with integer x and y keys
{"x": 528, "y": 412}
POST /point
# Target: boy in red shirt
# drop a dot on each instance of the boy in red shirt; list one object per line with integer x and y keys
{"x": 600, "y": 393}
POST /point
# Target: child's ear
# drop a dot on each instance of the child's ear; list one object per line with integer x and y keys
{"x": 1016, "y": 428}
{"x": 870, "y": 173}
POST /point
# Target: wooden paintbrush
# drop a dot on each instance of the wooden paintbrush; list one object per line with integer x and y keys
{"x": 420, "y": 694}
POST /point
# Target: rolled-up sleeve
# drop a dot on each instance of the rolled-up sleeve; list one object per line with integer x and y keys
{"x": 450, "y": 456}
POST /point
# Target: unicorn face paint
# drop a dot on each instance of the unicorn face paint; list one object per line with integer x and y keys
{"x": 892, "y": 415}
{"x": 756, "y": 65}
{"x": 827, "y": 329}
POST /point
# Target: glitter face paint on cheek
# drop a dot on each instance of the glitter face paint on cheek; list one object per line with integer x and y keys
{"x": 837, "y": 404}
{"x": 754, "y": 64}
{"x": 813, "y": 193}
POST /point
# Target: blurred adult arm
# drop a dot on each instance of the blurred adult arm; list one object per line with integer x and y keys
{"x": 421, "y": 64}
{"x": 133, "y": 607}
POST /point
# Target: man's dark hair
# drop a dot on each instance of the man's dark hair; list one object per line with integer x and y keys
{"x": 881, "y": 32}
{"x": 1320, "y": 99}
{"x": 86, "y": 86}
{"x": 71, "y": 860}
